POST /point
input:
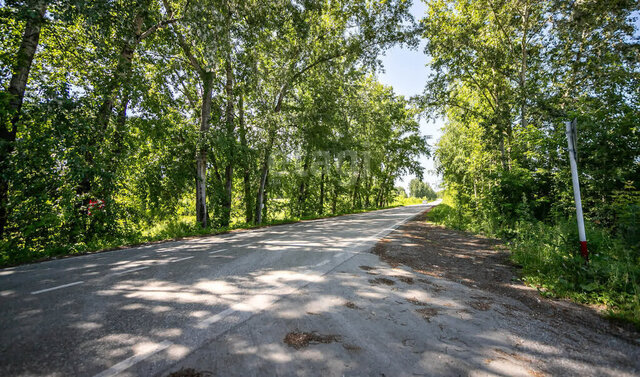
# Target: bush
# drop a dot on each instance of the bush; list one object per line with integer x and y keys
{"x": 550, "y": 261}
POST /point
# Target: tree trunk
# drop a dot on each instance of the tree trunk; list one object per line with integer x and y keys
{"x": 381, "y": 192}
{"x": 228, "y": 193}
{"x": 120, "y": 128}
{"x": 117, "y": 146}
{"x": 228, "y": 186}
{"x": 266, "y": 200}
{"x": 302, "y": 188}
{"x": 523, "y": 68}
{"x": 503, "y": 154}
{"x": 248, "y": 202}
{"x": 123, "y": 71}
{"x": 263, "y": 180}
{"x": 367, "y": 199}
{"x": 321, "y": 204}
{"x": 334, "y": 201}
{"x": 15, "y": 91}
{"x": 202, "y": 217}
{"x": 356, "y": 187}
{"x": 121, "y": 75}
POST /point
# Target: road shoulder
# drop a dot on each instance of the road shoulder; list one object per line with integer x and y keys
{"x": 483, "y": 263}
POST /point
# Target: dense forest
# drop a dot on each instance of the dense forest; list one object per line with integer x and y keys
{"x": 507, "y": 75}
{"x": 124, "y": 120}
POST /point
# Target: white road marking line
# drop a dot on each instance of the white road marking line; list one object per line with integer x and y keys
{"x": 265, "y": 302}
{"x": 261, "y": 302}
{"x": 181, "y": 259}
{"x": 131, "y": 270}
{"x": 215, "y": 318}
{"x": 381, "y": 234}
{"x": 58, "y": 287}
{"x": 124, "y": 364}
{"x": 323, "y": 262}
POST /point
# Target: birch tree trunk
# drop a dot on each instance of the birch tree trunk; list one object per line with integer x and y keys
{"x": 122, "y": 72}
{"x": 228, "y": 185}
{"x": 356, "y": 187}
{"x": 321, "y": 204}
{"x": 523, "y": 68}
{"x": 202, "y": 216}
{"x": 264, "y": 172}
{"x": 248, "y": 202}
{"x": 302, "y": 189}
{"x": 334, "y": 201}
{"x": 15, "y": 91}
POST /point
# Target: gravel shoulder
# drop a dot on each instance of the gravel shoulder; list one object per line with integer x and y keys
{"x": 483, "y": 263}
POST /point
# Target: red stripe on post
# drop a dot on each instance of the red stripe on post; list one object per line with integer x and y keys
{"x": 583, "y": 250}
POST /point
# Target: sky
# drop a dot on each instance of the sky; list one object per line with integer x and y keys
{"x": 406, "y": 71}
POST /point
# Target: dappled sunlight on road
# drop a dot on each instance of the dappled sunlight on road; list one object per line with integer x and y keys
{"x": 226, "y": 304}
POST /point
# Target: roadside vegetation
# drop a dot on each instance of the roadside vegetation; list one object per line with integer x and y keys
{"x": 549, "y": 259}
{"x": 507, "y": 76}
{"x": 171, "y": 229}
{"x": 128, "y": 121}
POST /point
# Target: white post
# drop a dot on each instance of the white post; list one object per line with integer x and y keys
{"x": 571, "y": 140}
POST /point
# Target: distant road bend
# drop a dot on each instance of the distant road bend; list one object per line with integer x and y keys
{"x": 142, "y": 311}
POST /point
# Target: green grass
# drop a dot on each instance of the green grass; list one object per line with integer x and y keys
{"x": 408, "y": 201}
{"x": 184, "y": 226}
{"x": 549, "y": 260}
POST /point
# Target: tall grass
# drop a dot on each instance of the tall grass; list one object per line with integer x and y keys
{"x": 179, "y": 227}
{"x": 549, "y": 260}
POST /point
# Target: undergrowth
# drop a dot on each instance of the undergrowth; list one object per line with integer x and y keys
{"x": 181, "y": 227}
{"x": 548, "y": 256}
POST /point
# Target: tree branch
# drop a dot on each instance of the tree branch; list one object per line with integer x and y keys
{"x": 154, "y": 28}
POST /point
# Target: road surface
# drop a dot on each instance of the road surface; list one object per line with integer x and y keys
{"x": 143, "y": 310}
{"x": 305, "y": 299}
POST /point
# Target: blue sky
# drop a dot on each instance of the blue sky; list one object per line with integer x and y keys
{"x": 407, "y": 72}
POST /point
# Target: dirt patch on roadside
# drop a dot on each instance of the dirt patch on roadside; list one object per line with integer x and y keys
{"x": 427, "y": 313}
{"x": 190, "y": 372}
{"x": 384, "y": 281}
{"x": 481, "y": 263}
{"x": 405, "y": 279}
{"x": 351, "y": 305}
{"x": 417, "y": 302}
{"x": 300, "y": 340}
{"x": 480, "y": 305}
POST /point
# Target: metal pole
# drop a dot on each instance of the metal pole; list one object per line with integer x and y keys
{"x": 571, "y": 139}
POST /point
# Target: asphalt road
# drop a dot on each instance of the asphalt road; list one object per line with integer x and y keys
{"x": 155, "y": 309}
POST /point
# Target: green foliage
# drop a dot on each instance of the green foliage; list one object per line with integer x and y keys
{"x": 508, "y": 75}
{"x": 419, "y": 189}
{"x": 405, "y": 201}
{"x": 549, "y": 260}
{"x": 116, "y": 112}
{"x": 611, "y": 278}
{"x": 171, "y": 229}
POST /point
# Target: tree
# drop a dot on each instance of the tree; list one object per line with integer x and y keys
{"x": 264, "y": 110}
{"x": 11, "y": 99}
{"x": 420, "y": 189}
{"x": 507, "y": 75}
